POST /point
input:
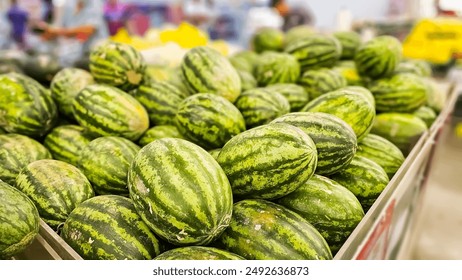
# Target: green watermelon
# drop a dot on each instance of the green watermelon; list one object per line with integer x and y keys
{"x": 350, "y": 42}
{"x": 330, "y": 207}
{"x": 42, "y": 67}
{"x": 426, "y": 114}
{"x": 65, "y": 86}
{"x": 378, "y": 57}
{"x": 198, "y": 253}
{"x": 315, "y": 51}
{"x": 295, "y": 94}
{"x": 214, "y": 153}
{"x": 161, "y": 100}
{"x": 364, "y": 178}
{"x": 7, "y": 67}
{"x": 269, "y": 161}
{"x": 66, "y": 142}
{"x": 16, "y": 152}
{"x": 105, "y": 162}
{"x": 363, "y": 91}
{"x": 399, "y": 93}
{"x": 436, "y": 97}
{"x": 205, "y": 70}
{"x": 180, "y": 191}
{"x": 247, "y": 80}
{"x": 118, "y": 65}
{"x": 26, "y": 107}
{"x": 245, "y": 60}
{"x": 417, "y": 66}
{"x": 260, "y": 106}
{"x": 335, "y": 140}
{"x": 108, "y": 227}
{"x": 19, "y": 221}
{"x": 316, "y": 82}
{"x": 382, "y": 152}
{"x": 347, "y": 69}
{"x": 262, "y": 230}
{"x": 276, "y": 68}
{"x": 107, "y": 111}
{"x": 155, "y": 73}
{"x": 297, "y": 32}
{"x": 208, "y": 120}
{"x": 56, "y": 188}
{"x": 159, "y": 132}
{"x": 267, "y": 39}
{"x": 352, "y": 107}
{"x": 409, "y": 67}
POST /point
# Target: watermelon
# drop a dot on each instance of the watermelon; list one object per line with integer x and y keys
{"x": 347, "y": 69}
{"x": 276, "y": 68}
{"x": 198, "y": 253}
{"x": 334, "y": 139}
{"x": 399, "y": 93}
{"x": 245, "y": 60}
{"x": 155, "y": 73}
{"x": 363, "y": 91}
{"x": 204, "y": 70}
{"x": 19, "y": 221}
{"x": 330, "y": 207}
{"x": 436, "y": 97}
{"x": 158, "y": 132}
{"x": 403, "y": 130}
{"x": 426, "y": 114}
{"x": 315, "y": 51}
{"x": 107, "y": 227}
{"x": 117, "y": 65}
{"x": 260, "y": 106}
{"x": 65, "y": 86}
{"x": 7, "y": 67}
{"x": 26, "y": 107}
{"x": 382, "y": 152}
{"x": 42, "y": 67}
{"x": 364, "y": 178}
{"x": 352, "y": 107}
{"x": 180, "y": 191}
{"x": 56, "y": 188}
{"x": 161, "y": 100}
{"x": 208, "y": 120}
{"x": 295, "y": 94}
{"x": 214, "y": 153}
{"x": 297, "y": 32}
{"x": 262, "y": 230}
{"x": 105, "y": 162}
{"x": 316, "y": 82}
{"x": 350, "y": 42}
{"x": 408, "y": 67}
{"x": 416, "y": 66}
{"x": 107, "y": 111}
{"x": 247, "y": 80}
{"x": 269, "y": 161}
{"x": 16, "y": 152}
{"x": 267, "y": 39}
{"x": 378, "y": 57}
{"x": 66, "y": 142}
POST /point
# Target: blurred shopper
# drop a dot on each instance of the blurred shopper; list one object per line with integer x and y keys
{"x": 115, "y": 14}
{"x": 18, "y": 18}
{"x": 293, "y": 15}
{"x": 47, "y": 14}
{"x": 198, "y": 12}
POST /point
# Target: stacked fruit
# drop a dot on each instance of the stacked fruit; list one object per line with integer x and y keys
{"x": 262, "y": 155}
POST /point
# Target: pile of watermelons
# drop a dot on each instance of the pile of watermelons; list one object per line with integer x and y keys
{"x": 275, "y": 153}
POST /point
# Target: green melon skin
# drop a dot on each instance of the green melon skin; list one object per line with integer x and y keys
{"x": 269, "y": 161}
{"x": 19, "y": 221}
{"x": 297, "y": 32}
{"x": 426, "y": 114}
{"x": 295, "y": 94}
{"x": 347, "y": 69}
{"x": 159, "y": 132}
{"x": 107, "y": 227}
{"x": 180, "y": 191}
{"x": 319, "y": 81}
{"x": 247, "y": 80}
{"x": 214, "y": 153}
{"x": 330, "y": 207}
{"x": 245, "y": 60}
{"x": 276, "y": 68}
{"x": 267, "y": 39}
{"x": 350, "y": 41}
{"x": 198, "y": 253}
{"x": 361, "y": 90}
{"x": 262, "y": 230}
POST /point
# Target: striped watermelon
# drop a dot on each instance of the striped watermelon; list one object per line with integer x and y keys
{"x": 198, "y": 253}
{"x": 352, "y": 107}
{"x": 108, "y": 227}
{"x": 19, "y": 221}
{"x": 118, "y": 65}
{"x": 214, "y": 153}
{"x": 157, "y": 73}
{"x": 408, "y": 67}
{"x": 426, "y": 114}
{"x": 107, "y": 111}
{"x": 66, "y": 142}
{"x": 335, "y": 140}
{"x": 65, "y": 86}
{"x": 26, "y": 107}
{"x": 350, "y": 42}
{"x": 399, "y": 93}
{"x": 16, "y": 152}
{"x": 297, "y": 32}
{"x": 260, "y": 106}
{"x": 315, "y": 51}
{"x": 56, "y": 188}
{"x": 267, "y": 39}
{"x": 378, "y": 57}
{"x": 276, "y": 68}
{"x": 363, "y": 91}
{"x": 159, "y": 132}
{"x": 208, "y": 120}
{"x": 247, "y": 80}
{"x": 425, "y": 69}
{"x": 204, "y": 70}
{"x": 382, "y": 152}
{"x": 437, "y": 97}
{"x": 161, "y": 100}
{"x": 262, "y": 230}
{"x": 295, "y": 94}
{"x": 269, "y": 161}
{"x": 319, "y": 81}
{"x": 105, "y": 162}
{"x": 330, "y": 207}
{"x": 347, "y": 69}
{"x": 245, "y": 60}
{"x": 364, "y": 178}
{"x": 180, "y": 191}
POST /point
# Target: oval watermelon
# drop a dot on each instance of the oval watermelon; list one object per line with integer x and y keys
{"x": 247, "y": 80}
{"x": 297, "y": 32}
{"x": 214, "y": 153}
{"x": 245, "y": 60}
{"x": 426, "y": 114}
{"x": 275, "y": 68}
{"x": 319, "y": 81}
{"x": 267, "y": 39}
{"x": 350, "y": 42}
{"x": 347, "y": 69}
{"x": 197, "y": 253}
{"x": 295, "y": 94}
{"x": 159, "y": 132}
